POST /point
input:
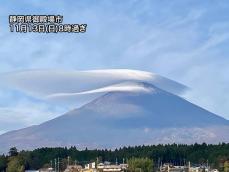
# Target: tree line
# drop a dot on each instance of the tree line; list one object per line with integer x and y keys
{"x": 178, "y": 154}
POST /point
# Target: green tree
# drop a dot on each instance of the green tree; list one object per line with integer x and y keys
{"x": 3, "y": 163}
{"x": 13, "y": 151}
{"x": 226, "y": 166}
{"x": 178, "y": 154}
{"x": 140, "y": 165}
{"x": 15, "y": 164}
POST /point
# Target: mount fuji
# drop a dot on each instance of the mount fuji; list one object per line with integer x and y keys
{"x": 122, "y": 118}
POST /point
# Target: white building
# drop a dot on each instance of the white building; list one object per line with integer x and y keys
{"x": 114, "y": 168}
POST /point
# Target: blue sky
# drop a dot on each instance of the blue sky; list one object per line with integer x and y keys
{"x": 186, "y": 41}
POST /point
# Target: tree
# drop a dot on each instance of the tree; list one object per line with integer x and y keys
{"x": 178, "y": 154}
{"x": 13, "y": 151}
{"x": 3, "y": 163}
{"x": 140, "y": 165}
{"x": 226, "y": 166}
{"x": 16, "y": 164}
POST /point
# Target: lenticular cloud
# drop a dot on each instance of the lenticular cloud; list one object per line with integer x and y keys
{"x": 79, "y": 87}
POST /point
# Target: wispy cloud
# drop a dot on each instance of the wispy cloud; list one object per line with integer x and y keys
{"x": 26, "y": 113}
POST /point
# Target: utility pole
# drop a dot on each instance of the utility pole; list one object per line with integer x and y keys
{"x": 161, "y": 165}
{"x": 58, "y": 167}
{"x": 55, "y": 164}
{"x": 158, "y": 163}
{"x": 68, "y": 160}
{"x": 189, "y": 166}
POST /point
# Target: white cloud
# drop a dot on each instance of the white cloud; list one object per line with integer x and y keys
{"x": 26, "y": 113}
{"x": 78, "y": 87}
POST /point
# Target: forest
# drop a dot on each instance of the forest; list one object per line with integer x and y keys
{"x": 178, "y": 154}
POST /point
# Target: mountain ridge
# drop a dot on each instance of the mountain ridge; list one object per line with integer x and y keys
{"x": 124, "y": 118}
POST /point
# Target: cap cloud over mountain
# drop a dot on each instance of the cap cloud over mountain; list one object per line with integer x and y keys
{"x": 80, "y": 87}
{"x": 132, "y": 111}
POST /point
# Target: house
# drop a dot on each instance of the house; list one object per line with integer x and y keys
{"x": 46, "y": 170}
{"x": 91, "y": 167}
{"x": 214, "y": 170}
{"x": 105, "y": 167}
{"x": 73, "y": 168}
{"x": 167, "y": 167}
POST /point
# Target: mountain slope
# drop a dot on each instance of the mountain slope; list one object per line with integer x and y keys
{"x": 125, "y": 118}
